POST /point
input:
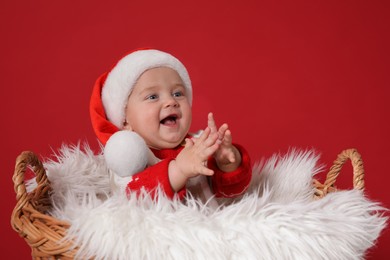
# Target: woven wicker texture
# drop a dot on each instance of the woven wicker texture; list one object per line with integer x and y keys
{"x": 43, "y": 233}
{"x": 331, "y": 177}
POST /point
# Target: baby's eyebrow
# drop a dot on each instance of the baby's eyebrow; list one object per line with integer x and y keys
{"x": 148, "y": 89}
{"x": 179, "y": 85}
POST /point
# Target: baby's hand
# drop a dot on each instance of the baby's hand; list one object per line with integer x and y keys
{"x": 227, "y": 156}
{"x": 192, "y": 160}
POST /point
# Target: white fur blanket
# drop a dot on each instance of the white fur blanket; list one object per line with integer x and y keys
{"x": 277, "y": 218}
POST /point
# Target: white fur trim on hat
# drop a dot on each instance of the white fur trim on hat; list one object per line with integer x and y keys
{"x": 123, "y": 76}
{"x": 126, "y": 153}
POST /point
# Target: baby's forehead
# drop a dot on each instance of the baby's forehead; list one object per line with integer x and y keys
{"x": 158, "y": 77}
{"x": 159, "y": 72}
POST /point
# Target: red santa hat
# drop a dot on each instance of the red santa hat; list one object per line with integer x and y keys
{"x": 109, "y": 99}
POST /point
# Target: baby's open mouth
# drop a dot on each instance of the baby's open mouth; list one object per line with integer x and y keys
{"x": 169, "y": 120}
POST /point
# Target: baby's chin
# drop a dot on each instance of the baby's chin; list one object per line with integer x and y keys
{"x": 166, "y": 144}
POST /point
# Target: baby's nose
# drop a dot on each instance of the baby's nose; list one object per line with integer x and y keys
{"x": 171, "y": 102}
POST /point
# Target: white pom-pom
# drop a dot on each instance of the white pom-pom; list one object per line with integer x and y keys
{"x": 126, "y": 153}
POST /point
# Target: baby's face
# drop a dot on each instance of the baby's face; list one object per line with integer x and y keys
{"x": 158, "y": 108}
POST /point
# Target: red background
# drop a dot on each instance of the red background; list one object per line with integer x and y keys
{"x": 283, "y": 74}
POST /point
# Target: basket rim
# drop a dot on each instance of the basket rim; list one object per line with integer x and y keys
{"x": 42, "y": 232}
{"x": 45, "y": 233}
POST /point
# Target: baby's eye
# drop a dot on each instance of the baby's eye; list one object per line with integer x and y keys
{"x": 178, "y": 94}
{"x": 152, "y": 97}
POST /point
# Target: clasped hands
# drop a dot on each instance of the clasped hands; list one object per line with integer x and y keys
{"x": 192, "y": 160}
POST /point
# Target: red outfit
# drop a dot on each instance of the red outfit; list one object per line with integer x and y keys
{"x": 224, "y": 184}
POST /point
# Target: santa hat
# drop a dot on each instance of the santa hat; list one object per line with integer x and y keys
{"x": 109, "y": 99}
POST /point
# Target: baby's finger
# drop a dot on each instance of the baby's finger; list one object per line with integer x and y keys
{"x": 209, "y": 151}
{"x": 211, "y": 140}
{"x": 221, "y": 132}
{"x": 188, "y": 143}
{"x": 205, "y": 134}
{"x": 228, "y": 137}
{"x": 203, "y": 170}
{"x": 211, "y": 123}
{"x": 231, "y": 158}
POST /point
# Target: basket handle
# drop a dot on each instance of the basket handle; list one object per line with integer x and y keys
{"x": 24, "y": 160}
{"x": 334, "y": 171}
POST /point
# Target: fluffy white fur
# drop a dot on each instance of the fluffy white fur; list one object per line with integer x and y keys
{"x": 126, "y": 72}
{"x": 126, "y": 153}
{"x": 276, "y": 219}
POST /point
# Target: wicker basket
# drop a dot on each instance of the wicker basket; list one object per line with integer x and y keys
{"x": 43, "y": 232}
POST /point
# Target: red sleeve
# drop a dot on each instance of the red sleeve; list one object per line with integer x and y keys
{"x": 153, "y": 176}
{"x": 231, "y": 184}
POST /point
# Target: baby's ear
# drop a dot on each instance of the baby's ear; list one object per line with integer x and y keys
{"x": 127, "y": 126}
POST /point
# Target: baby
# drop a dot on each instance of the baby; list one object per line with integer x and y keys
{"x": 149, "y": 92}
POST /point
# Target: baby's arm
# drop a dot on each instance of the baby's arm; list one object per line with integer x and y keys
{"x": 192, "y": 160}
{"x": 227, "y": 156}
